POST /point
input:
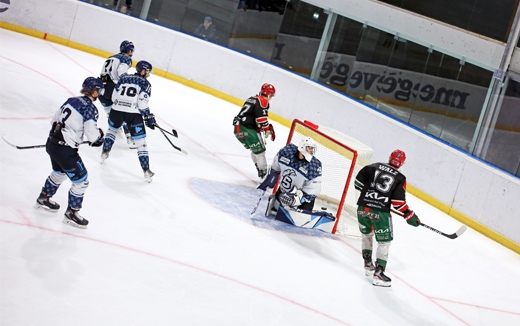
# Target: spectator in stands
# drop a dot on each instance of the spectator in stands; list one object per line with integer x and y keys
{"x": 127, "y": 2}
{"x": 206, "y": 30}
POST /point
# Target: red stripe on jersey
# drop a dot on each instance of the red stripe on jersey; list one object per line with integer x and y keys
{"x": 261, "y": 121}
{"x": 263, "y": 101}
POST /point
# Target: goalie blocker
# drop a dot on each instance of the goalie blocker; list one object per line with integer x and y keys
{"x": 308, "y": 219}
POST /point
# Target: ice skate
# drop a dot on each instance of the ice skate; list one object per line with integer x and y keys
{"x": 148, "y": 175}
{"x": 130, "y": 141}
{"x": 45, "y": 202}
{"x": 73, "y": 218}
{"x": 380, "y": 279}
{"x": 104, "y": 156}
{"x": 369, "y": 266}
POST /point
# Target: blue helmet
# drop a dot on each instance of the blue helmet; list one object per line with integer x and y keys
{"x": 143, "y": 65}
{"x": 91, "y": 83}
{"x": 126, "y": 46}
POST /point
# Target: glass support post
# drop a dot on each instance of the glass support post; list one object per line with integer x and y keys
{"x": 324, "y": 45}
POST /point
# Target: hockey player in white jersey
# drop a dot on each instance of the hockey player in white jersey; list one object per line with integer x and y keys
{"x": 130, "y": 97}
{"x": 76, "y": 118}
{"x": 300, "y": 182}
{"x": 113, "y": 68}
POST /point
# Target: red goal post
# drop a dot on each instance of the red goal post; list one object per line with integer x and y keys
{"x": 342, "y": 157}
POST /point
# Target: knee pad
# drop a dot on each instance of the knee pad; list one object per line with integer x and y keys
{"x": 79, "y": 188}
{"x": 57, "y": 177}
{"x": 111, "y": 133}
{"x": 367, "y": 241}
{"x": 141, "y": 144}
{"x": 261, "y": 161}
{"x": 382, "y": 250}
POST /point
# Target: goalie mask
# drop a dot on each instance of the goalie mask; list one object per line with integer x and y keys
{"x": 397, "y": 158}
{"x": 308, "y": 148}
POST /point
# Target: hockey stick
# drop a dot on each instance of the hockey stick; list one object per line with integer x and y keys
{"x": 176, "y": 147}
{"x": 173, "y": 132}
{"x": 455, "y": 235}
{"x": 257, "y": 204}
{"x": 32, "y": 146}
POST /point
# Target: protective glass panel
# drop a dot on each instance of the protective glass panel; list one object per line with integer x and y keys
{"x": 299, "y": 37}
{"x": 503, "y": 149}
{"x": 255, "y": 26}
{"x": 340, "y": 56}
{"x": 489, "y": 18}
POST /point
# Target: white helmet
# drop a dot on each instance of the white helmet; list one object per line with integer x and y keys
{"x": 302, "y": 147}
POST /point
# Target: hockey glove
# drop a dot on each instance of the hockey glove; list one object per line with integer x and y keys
{"x": 411, "y": 218}
{"x": 149, "y": 120}
{"x": 269, "y": 181}
{"x": 269, "y": 131}
{"x": 292, "y": 198}
{"x": 99, "y": 141}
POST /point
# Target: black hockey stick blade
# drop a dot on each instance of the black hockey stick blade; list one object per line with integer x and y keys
{"x": 22, "y": 147}
{"x": 32, "y": 146}
{"x": 173, "y": 132}
{"x": 257, "y": 204}
{"x": 176, "y": 147}
{"x": 455, "y": 235}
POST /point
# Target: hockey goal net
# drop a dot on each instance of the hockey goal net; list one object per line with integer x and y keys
{"x": 341, "y": 157}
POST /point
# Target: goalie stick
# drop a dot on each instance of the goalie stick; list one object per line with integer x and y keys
{"x": 176, "y": 147}
{"x": 257, "y": 204}
{"x": 455, "y": 235}
{"x": 32, "y": 146}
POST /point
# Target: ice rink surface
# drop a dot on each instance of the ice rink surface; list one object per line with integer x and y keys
{"x": 182, "y": 250}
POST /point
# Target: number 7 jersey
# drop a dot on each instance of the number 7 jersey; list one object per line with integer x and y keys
{"x": 131, "y": 94}
{"x": 381, "y": 186}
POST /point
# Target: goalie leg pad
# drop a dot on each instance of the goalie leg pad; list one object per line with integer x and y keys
{"x": 323, "y": 221}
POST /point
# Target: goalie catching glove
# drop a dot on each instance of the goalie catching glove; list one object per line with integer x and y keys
{"x": 411, "y": 218}
{"x": 292, "y": 198}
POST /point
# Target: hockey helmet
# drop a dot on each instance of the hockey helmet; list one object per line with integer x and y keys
{"x": 126, "y": 46}
{"x": 143, "y": 65}
{"x": 91, "y": 83}
{"x": 267, "y": 90}
{"x": 397, "y": 158}
{"x": 305, "y": 143}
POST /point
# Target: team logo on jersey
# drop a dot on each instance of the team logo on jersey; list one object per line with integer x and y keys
{"x": 289, "y": 173}
{"x": 375, "y": 195}
{"x": 7, "y": 2}
{"x": 369, "y": 215}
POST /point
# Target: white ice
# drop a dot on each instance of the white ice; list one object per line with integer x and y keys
{"x": 182, "y": 250}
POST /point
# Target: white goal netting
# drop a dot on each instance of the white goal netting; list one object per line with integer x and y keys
{"x": 342, "y": 157}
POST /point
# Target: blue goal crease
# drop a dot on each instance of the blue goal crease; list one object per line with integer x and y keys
{"x": 239, "y": 200}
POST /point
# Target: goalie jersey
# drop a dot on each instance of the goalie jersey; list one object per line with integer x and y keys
{"x": 381, "y": 185}
{"x": 304, "y": 175}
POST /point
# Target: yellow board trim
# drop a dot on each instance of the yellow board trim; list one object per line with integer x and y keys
{"x": 273, "y": 116}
